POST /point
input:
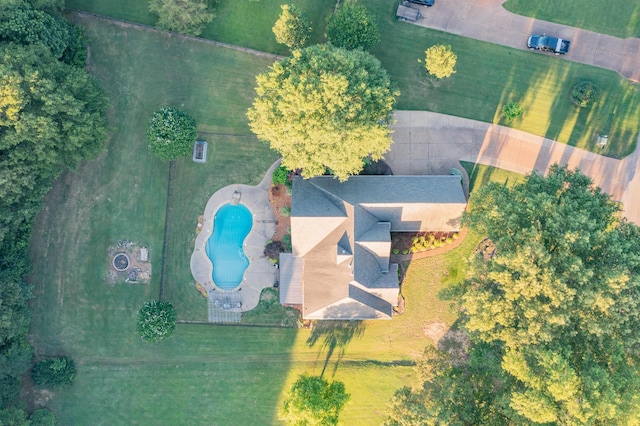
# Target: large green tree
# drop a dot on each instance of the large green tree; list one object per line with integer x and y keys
{"x": 465, "y": 389}
{"x": 561, "y": 295}
{"x": 353, "y": 27}
{"x": 440, "y": 61}
{"x": 182, "y": 16}
{"x": 171, "y": 133}
{"x": 156, "y": 321}
{"x": 553, "y": 314}
{"x": 23, "y": 24}
{"x": 54, "y": 372}
{"x": 292, "y": 27}
{"x": 324, "y": 108}
{"x": 314, "y": 401}
{"x": 52, "y": 116}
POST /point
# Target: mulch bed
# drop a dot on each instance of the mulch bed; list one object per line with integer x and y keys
{"x": 279, "y": 198}
{"x": 402, "y": 241}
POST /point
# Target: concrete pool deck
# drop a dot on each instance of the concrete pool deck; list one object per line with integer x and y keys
{"x": 260, "y": 273}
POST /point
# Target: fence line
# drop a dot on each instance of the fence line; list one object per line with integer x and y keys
{"x": 174, "y": 34}
{"x": 234, "y": 324}
{"x": 163, "y": 273}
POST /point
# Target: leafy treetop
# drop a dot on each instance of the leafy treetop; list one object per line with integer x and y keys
{"x": 182, "y": 16}
{"x": 292, "y": 27}
{"x": 561, "y": 296}
{"x": 324, "y": 108}
{"x": 156, "y": 321}
{"x": 171, "y": 133}
{"x": 314, "y": 401}
{"x": 552, "y": 316}
{"x": 440, "y": 61}
{"x": 52, "y": 116}
{"x": 21, "y": 23}
{"x": 53, "y": 372}
{"x": 353, "y": 27}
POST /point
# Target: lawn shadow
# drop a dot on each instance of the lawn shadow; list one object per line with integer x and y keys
{"x": 334, "y": 335}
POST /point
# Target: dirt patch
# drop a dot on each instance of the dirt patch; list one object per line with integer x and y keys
{"x": 435, "y": 331}
{"x": 35, "y": 397}
{"x": 456, "y": 343}
{"x": 487, "y": 249}
{"x": 139, "y": 269}
{"x": 279, "y": 197}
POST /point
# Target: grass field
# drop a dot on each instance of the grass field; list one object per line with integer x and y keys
{"x": 245, "y": 23}
{"x": 215, "y": 374}
{"x": 620, "y": 18}
{"x": 480, "y": 175}
{"x": 488, "y": 76}
{"x": 204, "y": 374}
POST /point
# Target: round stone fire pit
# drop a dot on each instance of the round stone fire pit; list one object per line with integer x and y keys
{"x": 121, "y": 262}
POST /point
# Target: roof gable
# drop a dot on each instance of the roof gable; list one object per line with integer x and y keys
{"x": 343, "y": 232}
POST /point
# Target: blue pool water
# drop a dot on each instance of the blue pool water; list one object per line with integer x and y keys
{"x": 231, "y": 225}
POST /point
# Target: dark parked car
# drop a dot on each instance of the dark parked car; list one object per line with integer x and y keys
{"x": 423, "y": 2}
{"x": 548, "y": 44}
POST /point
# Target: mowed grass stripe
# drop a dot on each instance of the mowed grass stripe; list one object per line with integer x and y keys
{"x": 245, "y": 23}
{"x": 488, "y": 76}
{"x": 620, "y": 18}
{"x": 248, "y": 367}
{"x": 123, "y": 195}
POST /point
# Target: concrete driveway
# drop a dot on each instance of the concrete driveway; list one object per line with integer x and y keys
{"x": 432, "y": 143}
{"x": 487, "y": 20}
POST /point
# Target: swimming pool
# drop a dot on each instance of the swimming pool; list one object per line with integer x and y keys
{"x": 231, "y": 225}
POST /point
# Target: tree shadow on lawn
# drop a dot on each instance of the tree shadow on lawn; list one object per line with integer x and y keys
{"x": 334, "y": 335}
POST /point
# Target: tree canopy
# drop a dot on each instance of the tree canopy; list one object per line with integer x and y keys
{"x": 561, "y": 295}
{"x": 171, "y": 133}
{"x": 556, "y": 306}
{"x": 440, "y": 61}
{"x": 52, "y": 116}
{"x": 292, "y": 27}
{"x": 353, "y": 27}
{"x": 324, "y": 108}
{"x": 182, "y": 16}
{"x": 156, "y": 321}
{"x": 53, "y": 372}
{"x": 314, "y": 401}
{"x": 23, "y": 24}
{"x": 458, "y": 390}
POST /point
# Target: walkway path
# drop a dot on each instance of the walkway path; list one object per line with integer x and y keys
{"x": 487, "y": 20}
{"x": 432, "y": 143}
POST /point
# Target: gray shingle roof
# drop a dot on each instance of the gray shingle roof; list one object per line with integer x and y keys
{"x": 290, "y": 278}
{"x": 338, "y": 231}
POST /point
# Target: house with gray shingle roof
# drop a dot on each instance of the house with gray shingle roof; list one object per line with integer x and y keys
{"x": 339, "y": 267}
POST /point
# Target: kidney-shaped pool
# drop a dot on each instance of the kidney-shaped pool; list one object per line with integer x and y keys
{"x": 231, "y": 225}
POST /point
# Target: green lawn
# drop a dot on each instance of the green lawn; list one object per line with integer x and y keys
{"x": 480, "y": 175}
{"x": 488, "y": 76}
{"x": 620, "y": 18}
{"x": 242, "y": 22}
{"x": 204, "y": 374}
{"x": 215, "y": 374}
